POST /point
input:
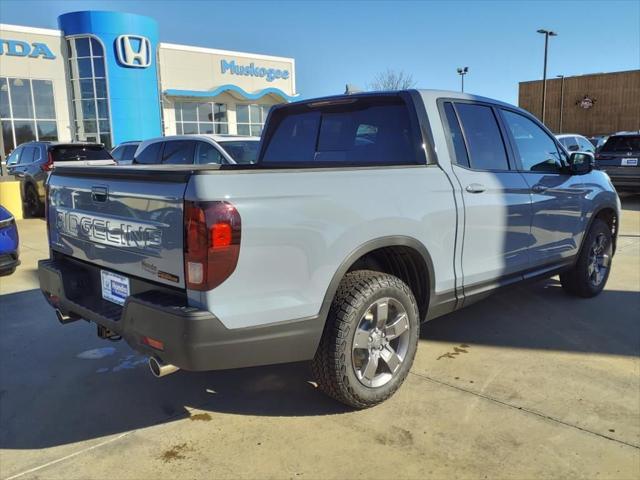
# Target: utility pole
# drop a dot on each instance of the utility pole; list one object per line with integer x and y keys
{"x": 462, "y": 71}
{"x": 561, "y": 100}
{"x": 547, "y": 34}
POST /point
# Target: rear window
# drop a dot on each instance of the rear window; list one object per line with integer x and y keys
{"x": 243, "y": 152}
{"x": 622, "y": 144}
{"x": 365, "y": 131}
{"x": 84, "y": 152}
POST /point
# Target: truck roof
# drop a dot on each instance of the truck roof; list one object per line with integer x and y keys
{"x": 427, "y": 94}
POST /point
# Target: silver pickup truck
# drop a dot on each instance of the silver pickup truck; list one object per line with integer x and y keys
{"x": 364, "y": 216}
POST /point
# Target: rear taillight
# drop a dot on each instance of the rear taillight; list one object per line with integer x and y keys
{"x": 47, "y": 167}
{"x": 212, "y": 243}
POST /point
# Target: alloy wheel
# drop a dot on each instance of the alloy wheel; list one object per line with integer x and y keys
{"x": 599, "y": 260}
{"x": 381, "y": 342}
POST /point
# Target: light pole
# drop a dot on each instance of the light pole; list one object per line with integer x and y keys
{"x": 547, "y": 34}
{"x": 561, "y": 100}
{"x": 462, "y": 72}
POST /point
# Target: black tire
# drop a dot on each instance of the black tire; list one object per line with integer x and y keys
{"x": 335, "y": 364}
{"x": 32, "y": 205}
{"x": 582, "y": 280}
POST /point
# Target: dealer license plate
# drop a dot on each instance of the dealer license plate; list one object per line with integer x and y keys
{"x": 629, "y": 162}
{"x": 115, "y": 288}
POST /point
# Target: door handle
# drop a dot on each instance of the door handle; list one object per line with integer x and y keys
{"x": 475, "y": 188}
{"x": 539, "y": 188}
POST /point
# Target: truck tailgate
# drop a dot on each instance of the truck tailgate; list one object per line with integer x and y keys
{"x": 127, "y": 220}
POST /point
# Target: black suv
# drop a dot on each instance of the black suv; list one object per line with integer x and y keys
{"x": 31, "y": 163}
{"x": 620, "y": 158}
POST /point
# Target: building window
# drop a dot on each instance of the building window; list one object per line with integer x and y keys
{"x": 209, "y": 117}
{"x": 27, "y": 111}
{"x": 251, "y": 118}
{"x": 89, "y": 86}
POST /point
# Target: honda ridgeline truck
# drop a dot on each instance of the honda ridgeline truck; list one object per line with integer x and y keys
{"x": 363, "y": 216}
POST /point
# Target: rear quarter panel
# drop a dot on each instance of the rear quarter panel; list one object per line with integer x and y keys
{"x": 299, "y": 226}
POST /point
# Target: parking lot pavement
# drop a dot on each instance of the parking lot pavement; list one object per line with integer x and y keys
{"x": 528, "y": 383}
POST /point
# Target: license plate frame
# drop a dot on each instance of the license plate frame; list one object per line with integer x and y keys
{"x": 115, "y": 288}
{"x": 629, "y": 162}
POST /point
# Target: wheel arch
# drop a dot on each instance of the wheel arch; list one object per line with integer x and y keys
{"x": 609, "y": 215}
{"x": 387, "y": 252}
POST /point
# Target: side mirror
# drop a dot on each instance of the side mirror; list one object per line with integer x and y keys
{"x": 581, "y": 162}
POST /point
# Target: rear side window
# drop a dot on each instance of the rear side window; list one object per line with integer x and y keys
{"x": 376, "y": 131}
{"x": 150, "y": 154}
{"x": 242, "y": 151}
{"x": 455, "y": 132}
{"x": 178, "y": 152}
{"x": 622, "y": 144}
{"x": 70, "y": 153}
{"x": 483, "y": 137}
{"x": 207, "y": 153}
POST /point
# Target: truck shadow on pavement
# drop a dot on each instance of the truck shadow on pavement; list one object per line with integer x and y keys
{"x": 63, "y": 385}
{"x": 541, "y": 316}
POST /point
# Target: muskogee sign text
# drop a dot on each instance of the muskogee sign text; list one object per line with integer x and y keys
{"x": 252, "y": 70}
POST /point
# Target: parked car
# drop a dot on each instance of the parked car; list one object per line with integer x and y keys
{"x": 363, "y": 216}
{"x": 32, "y": 162}
{"x": 576, "y": 143}
{"x": 197, "y": 149}
{"x": 9, "y": 243}
{"x": 123, "y": 154}
{"x": 619, "y": 158}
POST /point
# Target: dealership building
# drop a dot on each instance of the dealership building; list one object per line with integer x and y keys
{"x": 105, "y": 77}
{"x": 593, "y": 104}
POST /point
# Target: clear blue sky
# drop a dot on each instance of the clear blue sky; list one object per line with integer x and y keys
{"x": 349, "y": 42}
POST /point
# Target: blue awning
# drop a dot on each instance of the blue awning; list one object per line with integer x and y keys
{"x": 172, "y": 92}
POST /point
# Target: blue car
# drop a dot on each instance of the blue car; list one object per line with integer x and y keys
{"x": 9, "y": 250}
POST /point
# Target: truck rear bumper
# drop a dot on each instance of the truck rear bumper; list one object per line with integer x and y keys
{"x": 192, "y": 339}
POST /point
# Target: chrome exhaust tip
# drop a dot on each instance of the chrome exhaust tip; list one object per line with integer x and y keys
{"x": 161, "y": 369}
{"x": 64, "y": 318}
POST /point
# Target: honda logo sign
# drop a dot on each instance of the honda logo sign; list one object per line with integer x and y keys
{"x": 133, "y": 51}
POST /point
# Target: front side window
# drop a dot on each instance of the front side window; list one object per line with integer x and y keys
{"x": 483, "y": 137}
{"x": 250, "y": 119}
{"x": 118, "y": 153}
{"x": 373, "y": 131}
{"x": 536, "y": 149}
{"x": 178, "y": 152}
{"x": 27, "y": 111}
{"x": 150, "y": 154}
{"x": 89, "y": 86}
{"x": 14, "y": 157}
{"x": 203, "y": 117}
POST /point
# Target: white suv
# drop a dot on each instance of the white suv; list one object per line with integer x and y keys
{"x": 197, "y": 149}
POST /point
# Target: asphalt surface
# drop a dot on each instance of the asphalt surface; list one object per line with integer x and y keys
{"x": 528, "y": 383}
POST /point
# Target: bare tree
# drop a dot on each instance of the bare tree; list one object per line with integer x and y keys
{"x": 392, "y": 80}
